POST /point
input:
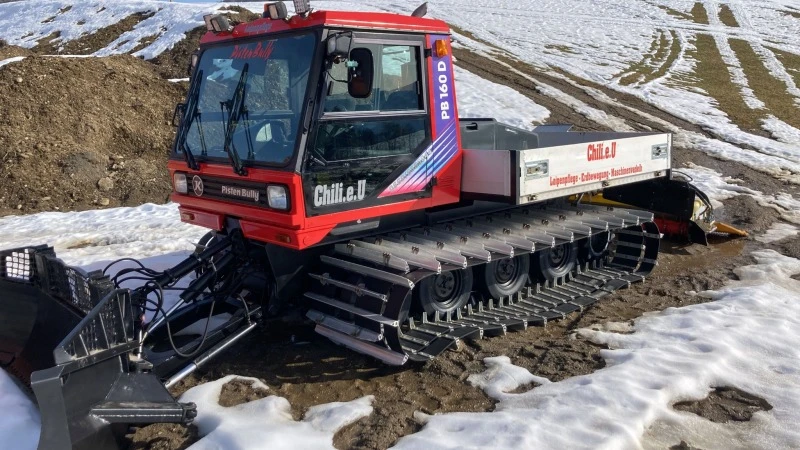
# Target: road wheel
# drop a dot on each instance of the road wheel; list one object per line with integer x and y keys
{"x": 555, "y": 262}
{"x": 594, "y": 247}
{"x": 447, "y": 291}
{"x": 504, "y": 277}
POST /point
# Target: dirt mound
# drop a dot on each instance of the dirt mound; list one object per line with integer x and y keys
{"x": 11, "y": 51}
{"x": 82, "y": 133}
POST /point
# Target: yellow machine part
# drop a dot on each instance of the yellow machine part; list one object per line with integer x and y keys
{"x": 714, "y": 226}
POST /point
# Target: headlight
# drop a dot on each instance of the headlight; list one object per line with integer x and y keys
{"x": 179, "y": 181}
{"x": 277, "y": 197}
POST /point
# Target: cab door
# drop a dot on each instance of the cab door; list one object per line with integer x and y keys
{"x": 362, "y": 145}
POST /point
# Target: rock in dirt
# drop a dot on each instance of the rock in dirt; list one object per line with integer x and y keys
{"x": 105, "y": 184}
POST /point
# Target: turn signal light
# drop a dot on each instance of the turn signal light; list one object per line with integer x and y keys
{"x": 440, "y": 47}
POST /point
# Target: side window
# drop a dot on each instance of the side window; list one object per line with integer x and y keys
{"x": 400, "y": 84}
{"x": 397, "y": 85}
{"x": 341, "y": 140}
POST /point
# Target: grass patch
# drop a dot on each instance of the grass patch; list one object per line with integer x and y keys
{"x": 727, "y": 17}
{"x": 699, "y": 14}
{"x": 469, "y": 35}
{"x": 657, "y": 62}
{"x": 791, "y": 62}
{"x": 675, "y": 13}
{"x": 794, "y": 14}
{"x": 714, "y": 78}
{"x": 766, "y": 87}
{"x": 561, "y": 48}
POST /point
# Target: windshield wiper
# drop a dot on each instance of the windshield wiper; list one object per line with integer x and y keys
{"x": 236, "y": 107}
{"x": 190, "y": 114}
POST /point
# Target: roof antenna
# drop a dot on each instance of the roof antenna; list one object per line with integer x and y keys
{"x": 421, "y": 10}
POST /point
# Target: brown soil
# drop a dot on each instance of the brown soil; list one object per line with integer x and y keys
{"x": 12, "y": 51}
{"x": 726, "y": 404}
{"x": 66, "y": 124}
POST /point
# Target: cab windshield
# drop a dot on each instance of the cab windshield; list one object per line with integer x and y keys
{"x": 252, "y": 94}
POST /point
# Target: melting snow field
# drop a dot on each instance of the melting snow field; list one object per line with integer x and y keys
{"x": 748, "y": 337}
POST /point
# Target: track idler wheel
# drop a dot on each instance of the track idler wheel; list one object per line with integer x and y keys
{"x": 504, "y": 277}
{"x": 445, "y": 292}
{"x": 556, "y": 262}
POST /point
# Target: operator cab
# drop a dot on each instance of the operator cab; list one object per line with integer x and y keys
{"x": 324, "y": 115}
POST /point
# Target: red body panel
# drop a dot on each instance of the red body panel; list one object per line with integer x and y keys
{"x": 293, "y": 228}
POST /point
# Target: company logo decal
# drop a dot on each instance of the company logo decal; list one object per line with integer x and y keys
{"x": 336, "y": 193}
{"x": 260, "y": 28}
{"x": 599, "y": 152}
{"x": 250, "y": 194}
{"x": 252, "y": 51}
{"x": 197, "y": 186}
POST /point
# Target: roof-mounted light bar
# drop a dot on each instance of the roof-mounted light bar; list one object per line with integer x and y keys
{"x": 275, "y": 11}
{"x": 217, "y": 23}
{"x": 302, "y": 7}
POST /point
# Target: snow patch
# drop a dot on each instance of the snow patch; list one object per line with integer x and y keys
{"x": 19, "y": 420}
{"x": 11, "y": 60}
{"x": 720, "y": 188}
{"x": 777, "y": 232}
{"x": 267, "y": 423}
{"x": 480, "y": 98}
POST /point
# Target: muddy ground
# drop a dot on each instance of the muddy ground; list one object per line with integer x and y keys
{"x": 309, "y": 370}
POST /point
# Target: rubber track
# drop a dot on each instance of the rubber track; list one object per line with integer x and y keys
{"x": 366, "y": 306}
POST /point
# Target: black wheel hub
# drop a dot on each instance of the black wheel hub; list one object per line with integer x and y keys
{"x": 446, "y": 289}
{"x": 558, "y": 256}
{"x": 506, "y": 271}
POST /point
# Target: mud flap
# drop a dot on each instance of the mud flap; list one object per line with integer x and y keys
{"x": 68, "y": 335}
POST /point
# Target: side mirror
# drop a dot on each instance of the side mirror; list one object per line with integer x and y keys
{"x": 177, "y": 116}
{"x": 360, "y": 73}
{"x": 339, "y": 46}
{"x": 193, "y": 63}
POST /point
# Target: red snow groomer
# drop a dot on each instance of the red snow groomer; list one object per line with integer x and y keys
{"x": 325, "y": 154}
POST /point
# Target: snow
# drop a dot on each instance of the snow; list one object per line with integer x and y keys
{"x": 747, "y": 338}
{"x": 11, "y": 60}
{"x": 777, "y": 232}
{"x": 480, "y": 98}
{"x": 26, "y": 23}
{"x": 720, "y": 188}
{"x": 267, "y": 423}
{"x": 19, "y": 419}
{"x": 713, "y": 184}
{"x": 90, "y": 238}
